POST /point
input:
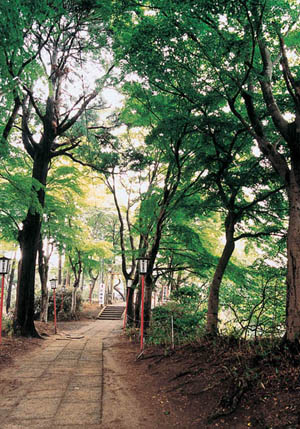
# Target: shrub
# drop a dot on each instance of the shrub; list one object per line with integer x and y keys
{"x": 66, "y": 298}
{"x": 7, "y": 324}
{"x": 188, "y": 319}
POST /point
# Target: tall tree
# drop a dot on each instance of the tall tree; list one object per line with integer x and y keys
{"x": 237, "y": 51}
{"x": 61, "y": 44}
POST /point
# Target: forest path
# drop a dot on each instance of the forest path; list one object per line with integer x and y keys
{"x": 74, "y": 380}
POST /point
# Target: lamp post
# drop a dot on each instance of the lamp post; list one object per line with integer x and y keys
{"x": 4, "y": 268}
{"x": 53, "y": 287}
{"x": 129, "y": 285}
{"x": 143, "y": 265}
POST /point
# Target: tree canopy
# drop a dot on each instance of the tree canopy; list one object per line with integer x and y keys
{"x": 201, "y": 162}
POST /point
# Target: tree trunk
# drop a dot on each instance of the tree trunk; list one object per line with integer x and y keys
{"x": 147, "y": 302}
{"x": 177, "y": 283}
{"x": 29, "y": 238}
{"x": 110, "y": 289}
{"x": 74, "y": 302}
{"x": 118, "y": 290}
{"x": 137, "y": 307}
{"x": 77, "y": 270}
{"x": 130, "y": 307}
{"x": 92, "y": 287}
{"x": 43, "y": 272}
{"x": 214, "y": 291}
{"x": 82, "y": 282}
{"x": 293, "y": 268}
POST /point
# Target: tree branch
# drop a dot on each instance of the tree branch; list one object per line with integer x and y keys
{"x": 265, "y": 82}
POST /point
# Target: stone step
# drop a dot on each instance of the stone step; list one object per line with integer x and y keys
{"x": 111, "y": 313}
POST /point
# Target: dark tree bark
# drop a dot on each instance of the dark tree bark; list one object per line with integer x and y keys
{"x": 214, "y": 291}
{"x": 130, "y": 307}
{"x": 137, "y": 308}
{"x": 147, "y": 302}
{"x": 29, "y": 238}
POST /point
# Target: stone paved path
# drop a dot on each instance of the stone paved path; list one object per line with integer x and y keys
{"x": 59, "y": 385}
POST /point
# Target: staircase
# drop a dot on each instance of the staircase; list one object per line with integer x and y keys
{"x": 111, "y": 312}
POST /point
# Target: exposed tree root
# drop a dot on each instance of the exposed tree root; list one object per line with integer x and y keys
{"x": 181, "y": 385}
{"x": 152, "y": 356}
{"x": 230, "y": 400}
{"x": 206, "y": 389}
{"x": 187, "y": 372}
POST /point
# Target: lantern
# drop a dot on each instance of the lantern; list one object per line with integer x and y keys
{"x": 53, "y": 283}
{"x": 143, "y": 265}
{"x": 4, "y": 265}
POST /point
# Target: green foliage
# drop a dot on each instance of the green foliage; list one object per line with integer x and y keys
{"x": 188, "y": 318}
{"x": 255, "y": 307}
{"x": 187, "y": 296}
{"x": 16, "y": 194}
{"x": 65, "y": 297}
{"x": 7, "y": 324}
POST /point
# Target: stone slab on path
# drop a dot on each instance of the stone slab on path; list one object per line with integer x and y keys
{"x": 59, "y": 385}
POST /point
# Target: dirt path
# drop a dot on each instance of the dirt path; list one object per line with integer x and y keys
{"x": 130, "y": 398}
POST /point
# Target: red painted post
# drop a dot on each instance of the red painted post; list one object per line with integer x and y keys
{"x": 1, "y": 307}
{"x": 142, "y": 314}
{"x": 54, "y": 300}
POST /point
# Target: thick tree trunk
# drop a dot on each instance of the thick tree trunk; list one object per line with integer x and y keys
{"x": 214, "y": 291}
{"x": 29, "y": 238}
{"x": 293, "y": 268}
{"x": 147, "y": 302}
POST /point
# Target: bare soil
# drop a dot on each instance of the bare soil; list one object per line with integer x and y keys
{"x": 223, "y": 383}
